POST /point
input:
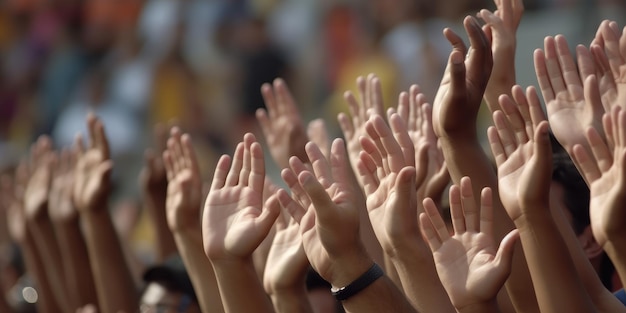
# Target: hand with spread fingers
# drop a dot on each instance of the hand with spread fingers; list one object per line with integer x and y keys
{"x": 93, "y": 168}
{"x": 609, "y": 52}
{"x": 353, "y": 125}
{"x": 605, "y": 173}
{"x": 520, "y": 144}
{"x": 573, "y": 105}
{"x": 281, "y": 123}
{"x": 470, "y": 268}
{"x": 418, "y": 118}
{"x": 234, "y": 223}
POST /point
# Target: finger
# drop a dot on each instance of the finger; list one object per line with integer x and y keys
{"x": 320, "y": 164}
{"x": 322, "y": 204}
{"x": 569, "y": 71}
{"x": 270, "y": 101}
{"x": 101, "y": 139}
{"x": 504, "y": 133}
{"x": 167, "y": 163}
{"x": 346, "y": 126}
{"x": 340, "y": 165}
{"x": 585, "y": 61}
{"x": 91, "y": 129}
{"x": 543, "y": 149}
{"x": 470, "y": 209}
{"x": 392, "y": 151}
{"x": 264, "y": 122}
{"x": 456, "y": 210}
{"x": 361, "y": 107}
{"x": 401, "y": 135}
{"x": 286, "y": 103}
{"x": 257, "y": 172}
{"x": 246, "y": 170}
{"x": 406, "y": 190}
{"x": 480, "y": 59}
{"x": 534, "y": 106}
{"x": 504, "y": 255}
{"x": 235, "y": 169}
{"x": 367, "y": 170}
{"x": 317, "y": 133}
{"x": 369, "y": 147}
{"x": 403, "y": 106}
{"x": 514, "y": 118}
{"x": 552, "y": 65}
{"x": 486, "y": 212}
{"x": 541, "y": 71}
{"x": 377, "y": 96}
{"x": 190, "y": 155}
{"x": 435, "y": 218}
{"x": 221, "y": 173}
{"x": 611, "y": 47}
{"x": 267, "y": 218}
{"x": 600, "y": 151}
{"x": 294, "y": 209}
{"x": 291, "y": 179}
{"x": 497, "y": 149}
{"x": 177, "y": 149}
{"x": 428, "y": 231}
{"x": 524, "y": 110}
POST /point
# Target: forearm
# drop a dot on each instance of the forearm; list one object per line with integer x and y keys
{"x": 487, "y": 307}
{"x": 114, "y": 283}
{"x": 47, "y": 246}
{"x": 189, "y": 243}
{"x": 76, "y": 265}
{"x": 420, "y": 281}
{"x": 294, "y": 300}
{"x": 616, "y": 250}
{"x": 46, "y": 303}
{"x": 466, "y": 158}
{"x": 554, "y": 276}
{"x": 165, "y": 244}
{"x": 237, "y": 280}
{"x": 603, "y": 299}
{"x": 502, "y": 76}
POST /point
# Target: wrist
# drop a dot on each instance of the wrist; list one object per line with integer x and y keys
{"x": 480, "y": 307}
{"x": 528, "y": 220}
{"x": 182, "y": 222}
{"x": 348, "y": 268}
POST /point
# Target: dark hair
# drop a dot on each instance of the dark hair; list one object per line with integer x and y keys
{"x": 576, "y": 196}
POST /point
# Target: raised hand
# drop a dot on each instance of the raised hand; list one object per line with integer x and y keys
{"x": 184, "y": 188}
{"x": 328, "y": 198}
{"x": 389, "y": 182}
{"x": 463, "y": 84}
{"x": 605, "y": 173}
{"x": 470, "y": 268}
{"x": 327, "y": 211}
{"x": 501, "y": 28}
{"x": 572, "y": 107}
{"x": 518, "y": 144}
{"x": 287, "y": 264}
{"x": 281, "y": 123}
{"x": 417, "y": 115}
{"x": 235, "y": 221}
{"x": 39, "y": 183}
{"x": 93, "y": 168}
{"x": 61, "y": 208}
{"x": 353, "y": 126}
{"x": 609, "y": 50}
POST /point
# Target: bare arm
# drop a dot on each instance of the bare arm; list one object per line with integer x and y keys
{"x": 454, "y": 120}
{"x": 184, "y": 199}
{"x": 329, "y": 224}
{"x": 80, "y": 284}
{"x": 234, "y": 223}
{"x": 114, "y": 284}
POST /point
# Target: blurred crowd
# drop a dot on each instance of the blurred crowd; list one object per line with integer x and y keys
{"x": 200, "y": 64}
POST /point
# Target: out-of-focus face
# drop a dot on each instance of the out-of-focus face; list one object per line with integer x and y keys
{"x": 157, "y": 299}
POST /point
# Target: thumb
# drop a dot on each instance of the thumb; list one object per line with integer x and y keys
{"x": 504, "y": 256}
{"x": 322, "y": 203}
{"x": 269, "y": 214}
{"x": 405, "y": 188}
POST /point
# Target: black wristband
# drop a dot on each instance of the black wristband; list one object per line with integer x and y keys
{"x": 370, "y": 276}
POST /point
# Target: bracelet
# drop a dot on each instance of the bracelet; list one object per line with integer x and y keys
{"x": 370, "y": 276}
